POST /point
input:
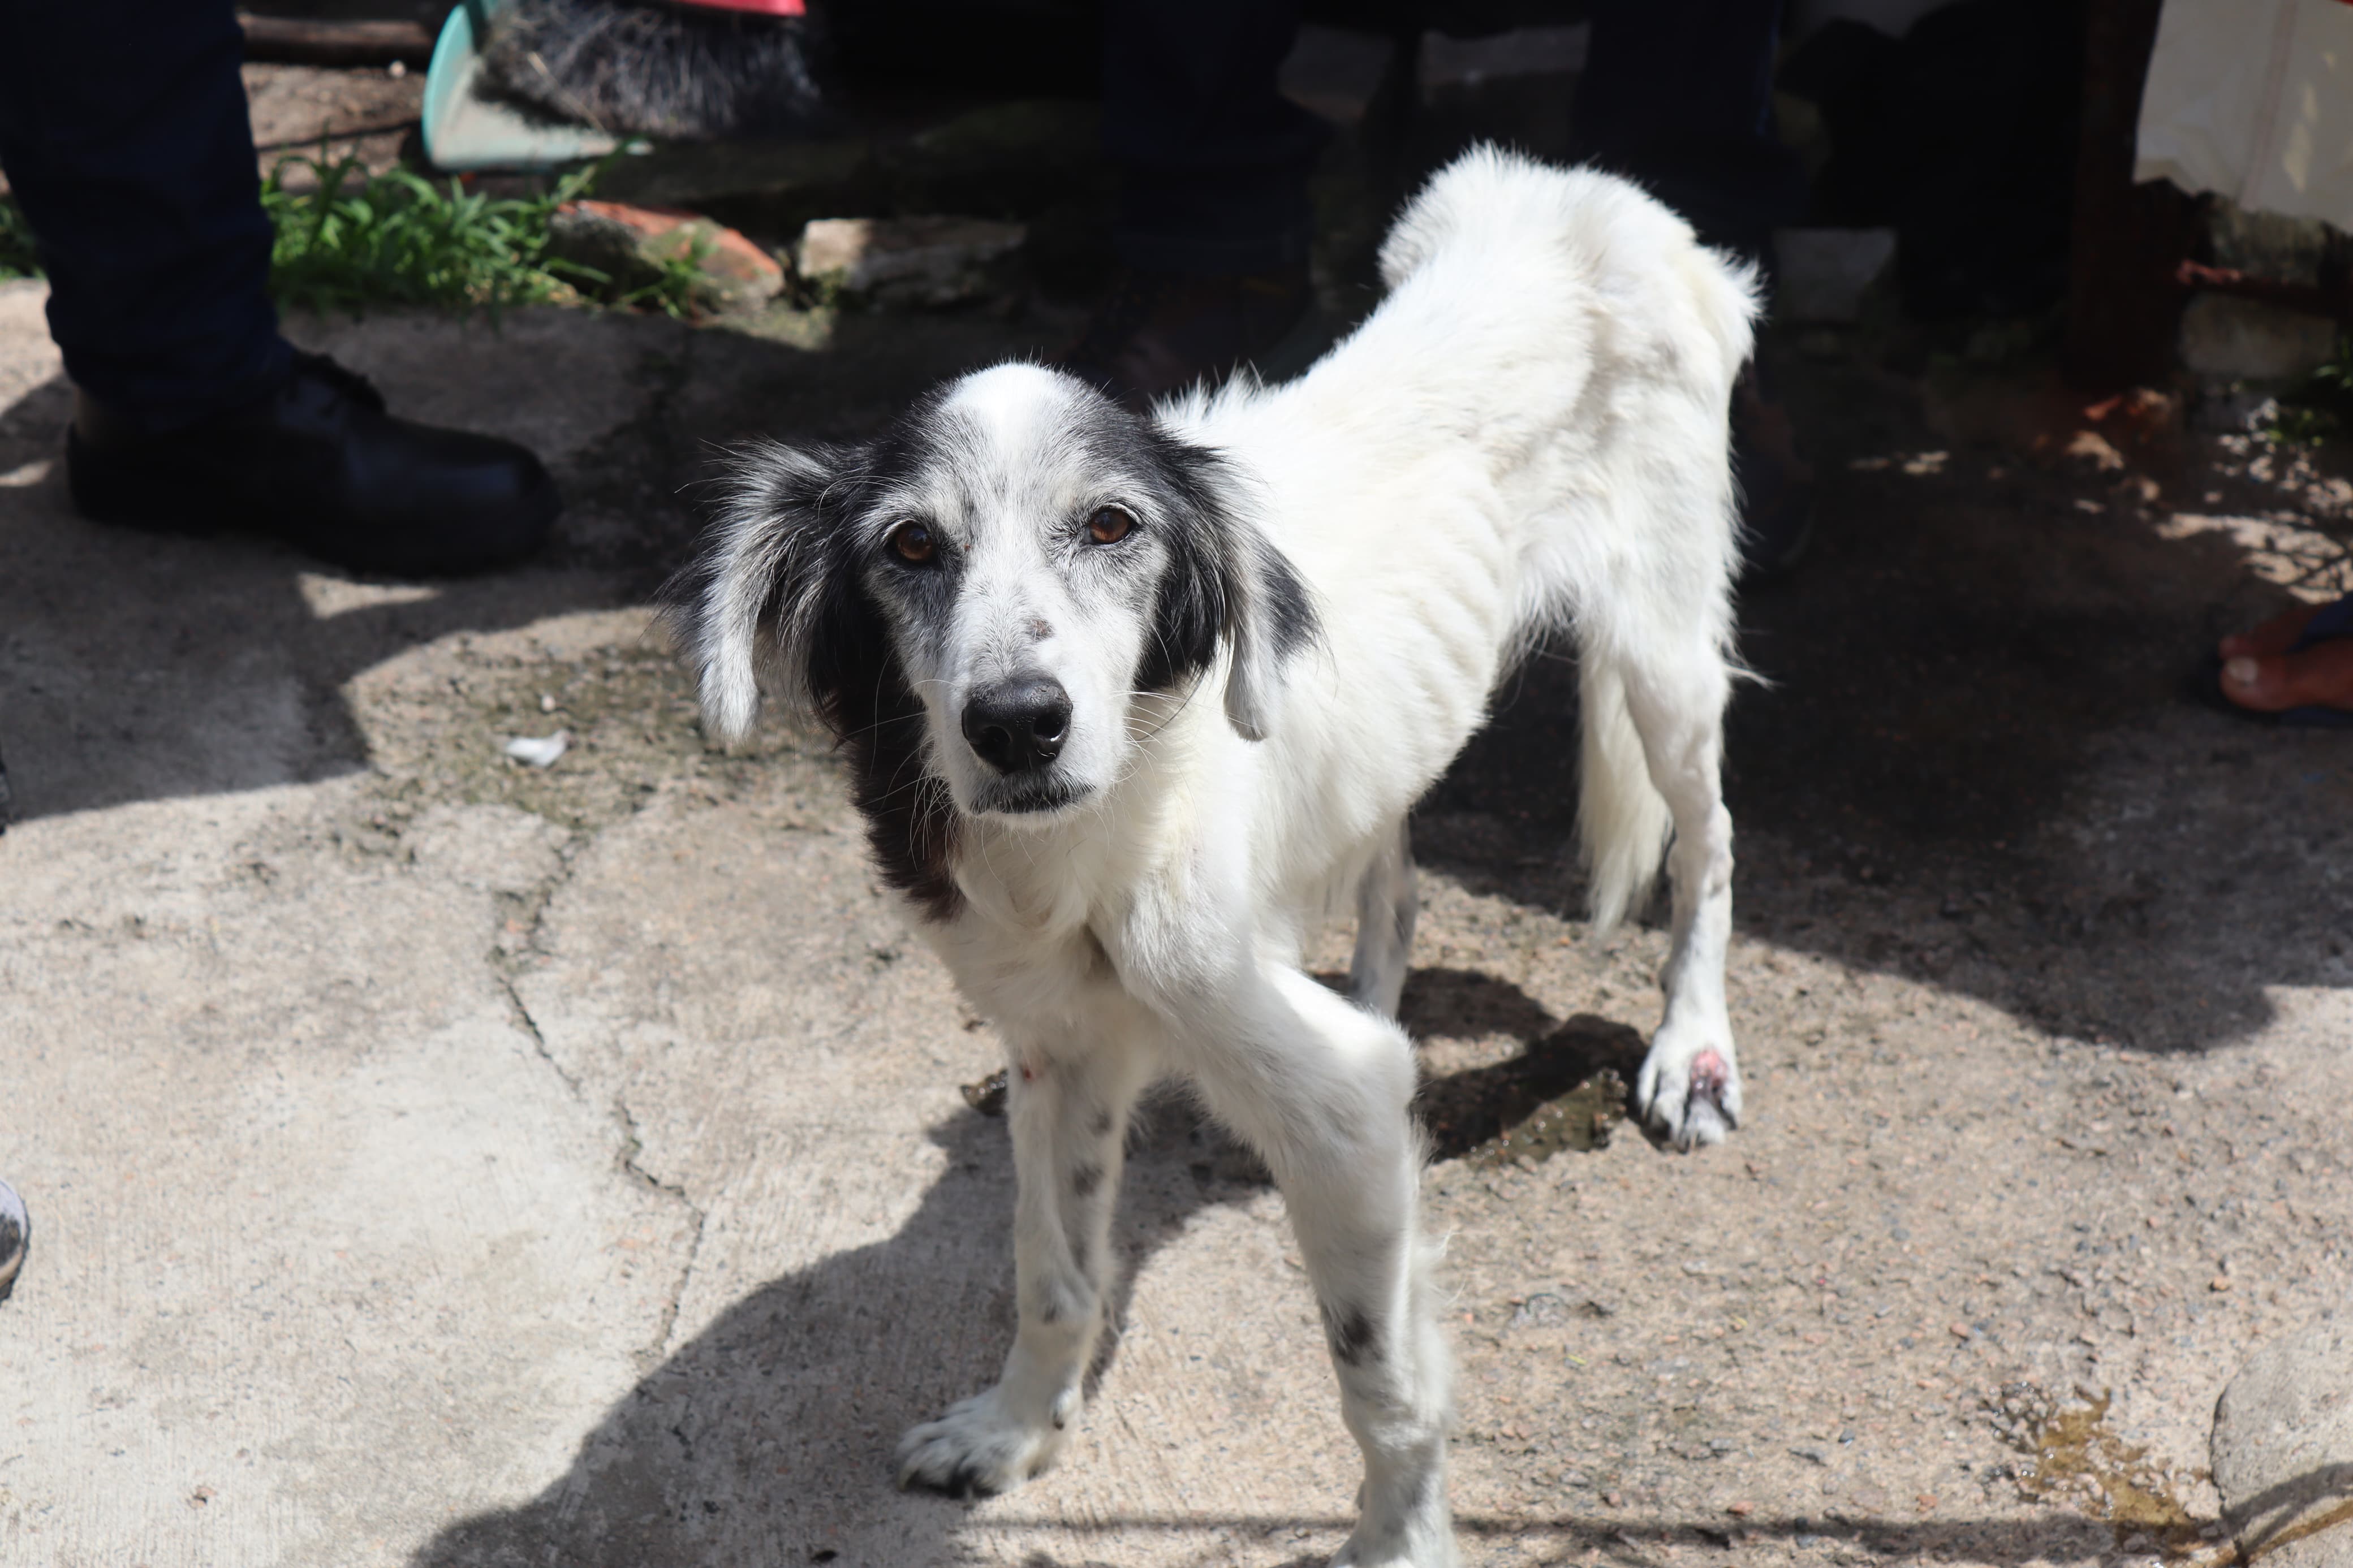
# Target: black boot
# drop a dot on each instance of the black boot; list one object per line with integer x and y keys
{"x": 15, "y": 1236}
{"x": 321, "y": 465}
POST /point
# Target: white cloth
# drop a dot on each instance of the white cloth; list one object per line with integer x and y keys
{"x": 2253, "y": 99}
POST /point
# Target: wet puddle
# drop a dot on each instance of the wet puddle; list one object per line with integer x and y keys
{"x": 2079, "y": 1462}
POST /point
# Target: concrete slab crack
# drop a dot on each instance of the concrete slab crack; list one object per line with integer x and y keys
{"x": 526, "y": 919}
{"x": 530, "y": 1026}
{"x": 632, "y": 1147}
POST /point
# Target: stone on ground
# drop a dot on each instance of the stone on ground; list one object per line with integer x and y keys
{"x": 907, "y": 260}
{"x": 2284, "y": 1449}
{"x": 635, "y": 248}
{"x": 2226, "y": 336}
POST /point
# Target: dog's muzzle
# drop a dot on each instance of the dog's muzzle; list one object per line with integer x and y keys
{"x": 1018, "y": 726}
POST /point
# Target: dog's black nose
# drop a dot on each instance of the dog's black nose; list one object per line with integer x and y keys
{"x": 1018, "y": 725}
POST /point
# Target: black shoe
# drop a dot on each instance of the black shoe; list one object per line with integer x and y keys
{"x": 15, "y": 1236}
{"x": 321, "y": 465}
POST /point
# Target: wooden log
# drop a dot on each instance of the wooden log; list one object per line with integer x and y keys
{"x": 2125, "y": 289}
{"x": 298, "y": 40}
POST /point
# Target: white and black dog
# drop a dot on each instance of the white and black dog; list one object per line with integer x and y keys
{"x": 1131, "y": 703}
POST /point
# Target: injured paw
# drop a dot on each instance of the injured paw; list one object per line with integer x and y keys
{"x": 1690, "y": 1098}
{"x": 980, "y": 1447}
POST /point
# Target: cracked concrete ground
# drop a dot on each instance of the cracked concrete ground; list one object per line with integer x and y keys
{"x": 437, "y": 1162}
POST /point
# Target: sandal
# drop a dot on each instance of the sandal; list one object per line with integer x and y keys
{"x": 2333, "y": 622}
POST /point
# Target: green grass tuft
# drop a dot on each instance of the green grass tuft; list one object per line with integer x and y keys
{"x": 2318, "y": 410}
{"x": 17, "y": 256}
{"x": 678, "y": 291}
{"x": 398, "y": 238}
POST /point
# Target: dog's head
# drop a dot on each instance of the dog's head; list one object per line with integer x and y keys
{"x": 982, "y": 599}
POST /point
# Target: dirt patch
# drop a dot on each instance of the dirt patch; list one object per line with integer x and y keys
{"x": 2080, "y": 1461}
{"x": 303, "y": 112}
{"x": 436, "y": 723}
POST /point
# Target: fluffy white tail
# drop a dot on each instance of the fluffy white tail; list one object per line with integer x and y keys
{"x": 1622, "y": 821}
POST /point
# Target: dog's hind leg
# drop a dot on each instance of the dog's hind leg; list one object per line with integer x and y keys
{"x": 1068, "y": 1115}
{"x": 1385, "y": 907}
{"x": 1689, "y": 1087}
{"x": 1320, "y": 1088}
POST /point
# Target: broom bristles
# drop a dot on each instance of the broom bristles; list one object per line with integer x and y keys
{"x": 654, "y": 70}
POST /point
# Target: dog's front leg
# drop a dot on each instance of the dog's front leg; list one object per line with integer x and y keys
{"x": 1068, "y": 1117}
{"x": 1320, "y": 1088}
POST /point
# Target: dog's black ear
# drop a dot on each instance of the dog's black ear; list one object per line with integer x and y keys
{"x": 1269, "y": 620}
{"x": 770, "y": 601}
{"x": 1228, "y": 584}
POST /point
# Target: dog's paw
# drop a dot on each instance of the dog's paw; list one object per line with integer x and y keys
{"x": 1429, "y": 1547}
{"x": 980, "y": 1447}
{"x": 1404, "y": 1524}
{"x": 1690, "y": 1094}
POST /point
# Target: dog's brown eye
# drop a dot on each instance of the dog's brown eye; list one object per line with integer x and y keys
{"x": 1109, "y": 525}
{"x": 912, "y": 540}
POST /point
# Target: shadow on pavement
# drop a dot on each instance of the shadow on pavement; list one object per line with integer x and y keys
{"x": 726, "y": 1451}
{"x": 722, "y": 1452}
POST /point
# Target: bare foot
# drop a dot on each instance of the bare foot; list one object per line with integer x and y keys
{"x": 2260, "y": 674}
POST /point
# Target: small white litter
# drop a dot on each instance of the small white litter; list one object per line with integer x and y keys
{"x": 539, "y": 750}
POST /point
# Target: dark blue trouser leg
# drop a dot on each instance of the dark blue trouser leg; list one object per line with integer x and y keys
{"x": 1678, "y": 95}
{"x": 1213, "y": 160}
{"x": 124, "y": 134}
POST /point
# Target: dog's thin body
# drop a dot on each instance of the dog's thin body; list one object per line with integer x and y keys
{"x": 1192, "y": 725}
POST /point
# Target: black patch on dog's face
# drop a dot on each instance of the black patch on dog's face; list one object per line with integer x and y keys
{"x": 848, "y": 667}
{"x": 880, "y": 724}
{"x": 1200, "y": 592}
{"x": 865, "y": 702}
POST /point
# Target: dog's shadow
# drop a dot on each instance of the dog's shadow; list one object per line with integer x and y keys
{"x": 768, "y": 1437}
{"x": 1519, "y": 1104}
